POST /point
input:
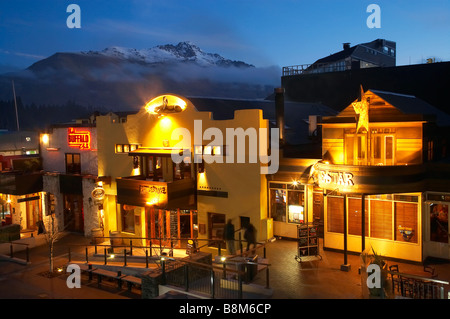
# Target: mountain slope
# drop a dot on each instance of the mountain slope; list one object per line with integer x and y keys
{"x": 124, "y": 78}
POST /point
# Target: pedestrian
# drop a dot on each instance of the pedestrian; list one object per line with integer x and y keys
{"x": 228, "y": 235}
{"x": 250, "y": 236}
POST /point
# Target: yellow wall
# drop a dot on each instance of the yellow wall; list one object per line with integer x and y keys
{"x": 244, "y": 183}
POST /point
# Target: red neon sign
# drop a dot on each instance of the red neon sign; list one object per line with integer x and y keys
{"x": 80, "y": 139}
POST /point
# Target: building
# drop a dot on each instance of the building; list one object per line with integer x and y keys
{"x": 384, "y": 163}
{"x": 151, "y": 196}
{"x": 378, "y": 53}
{"x": 20, "y": 180}
{"x": 70, "y": 173}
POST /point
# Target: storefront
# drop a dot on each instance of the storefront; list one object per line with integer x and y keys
{"x": 69, "y": 157}
{"x": 377, "y": 180}
{"x": 153, "y": 196}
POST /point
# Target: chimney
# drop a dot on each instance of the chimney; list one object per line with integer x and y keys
{"x": 312, "y": 125}
{"x": 279, "y": 112}
{"x": 346, "y": 45}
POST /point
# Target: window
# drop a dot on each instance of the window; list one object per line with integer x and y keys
{"x": 278, "y": 205}
{"x": 406, "y": 222}
{"x": 127, "y": 213}
{"x": 125, "y": 148}
{"x": 355, "y": 216}
{"x": 181, "y": 170}
{"x": 381, "y": 219}
{"x": 335, "y": 214}
{"x": 296, "y": 207}
{"x": 439, "y": 223}
{"x": 73, "y": 163}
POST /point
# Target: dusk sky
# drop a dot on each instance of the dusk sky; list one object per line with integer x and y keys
{"x": 260, "y": 32}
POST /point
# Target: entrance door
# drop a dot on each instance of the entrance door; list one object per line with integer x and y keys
{"x": 33, "y": 211}
{"x": 73, "y": 213}
{"x": 383, "y": 150}
{"x": 158, "y": 226}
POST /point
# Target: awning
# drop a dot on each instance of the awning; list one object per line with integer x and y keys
{"x": 159, "y": 151}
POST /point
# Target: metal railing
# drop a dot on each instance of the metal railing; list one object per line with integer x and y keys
{"x": 217, "y": 281}
{"x": 314, "y": 68}
{"x": 417, "y": 287}
{"x": 12, "y": 252}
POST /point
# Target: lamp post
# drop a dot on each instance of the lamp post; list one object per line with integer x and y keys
{"x": 345, "y": 266}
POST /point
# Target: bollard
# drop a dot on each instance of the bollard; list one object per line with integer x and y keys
{"x": 146, "y": 258}
{"x": 105, "y": 257}
{"x": 124, "y": 257}
{"x": 131, "y": 247}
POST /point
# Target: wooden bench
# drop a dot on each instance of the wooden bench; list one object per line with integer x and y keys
{"x": 109, "y": 274}
{"x": 131, "y": 280}
{"x": 87, "y": 268}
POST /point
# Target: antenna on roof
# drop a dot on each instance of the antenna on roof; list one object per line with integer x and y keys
{"x": 15, "y": 104}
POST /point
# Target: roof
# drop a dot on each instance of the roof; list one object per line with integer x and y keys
{"x": 389, "y": 106}
{"x": 337, "y": 56}
{"x": 14, "y": 141}
{"x": 410, "y": 104}
{"x": 296, "y": 113}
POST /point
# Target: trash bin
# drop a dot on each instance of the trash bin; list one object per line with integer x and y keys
{"x": 115, "y": 239}
{"x": 251, "y": 269}
{"x": 96, "y": 235}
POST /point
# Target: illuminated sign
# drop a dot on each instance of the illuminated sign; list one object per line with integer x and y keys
{"x": 165, "y": 104}
{"x": 146, "y": 190}
{"x": 337, "y": 178}
{"x": 79, "y": 139}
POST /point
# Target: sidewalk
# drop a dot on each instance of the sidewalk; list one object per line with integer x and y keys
{"x": 289, "y": 279}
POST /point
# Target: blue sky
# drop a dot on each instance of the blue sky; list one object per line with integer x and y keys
{"x": 260, "y": 32}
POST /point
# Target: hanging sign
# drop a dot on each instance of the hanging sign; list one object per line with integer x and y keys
{"x": 79, "y": 139}
{"x": 98, "y": 193}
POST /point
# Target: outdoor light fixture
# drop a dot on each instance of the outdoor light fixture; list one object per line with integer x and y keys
{"x": 45, "y": 138}
{"x": 165, "y": 104}
{"x": 223, "y": 259}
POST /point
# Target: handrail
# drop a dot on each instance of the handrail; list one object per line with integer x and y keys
{"x": 417, "y": 277}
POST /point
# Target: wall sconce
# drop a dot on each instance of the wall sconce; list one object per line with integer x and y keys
{"x": 201, "y": 167}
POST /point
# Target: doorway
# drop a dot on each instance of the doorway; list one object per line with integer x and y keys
{"x": 166, "y": 225}
{"x": 73, "y": 213}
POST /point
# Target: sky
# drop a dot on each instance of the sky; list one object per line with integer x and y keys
{"x": 260, "y": 32}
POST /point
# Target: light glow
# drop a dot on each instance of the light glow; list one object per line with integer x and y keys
{"x": 165, "y": 104}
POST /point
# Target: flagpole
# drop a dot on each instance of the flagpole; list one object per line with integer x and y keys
{"x": 15, "y": 104}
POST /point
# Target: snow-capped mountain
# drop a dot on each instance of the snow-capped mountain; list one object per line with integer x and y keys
{"x": 122, "y": 78}
{"x": 182, "y": 52}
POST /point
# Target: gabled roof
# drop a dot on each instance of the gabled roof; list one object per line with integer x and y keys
{"x": 389, "y": 104}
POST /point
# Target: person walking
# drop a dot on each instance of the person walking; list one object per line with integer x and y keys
{"x": 250, "y": 236}
{"x": 229, "y": 237}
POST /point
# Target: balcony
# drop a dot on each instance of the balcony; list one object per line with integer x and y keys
{"x": 137, "y": 191}
{"x": 20, "y": 183}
